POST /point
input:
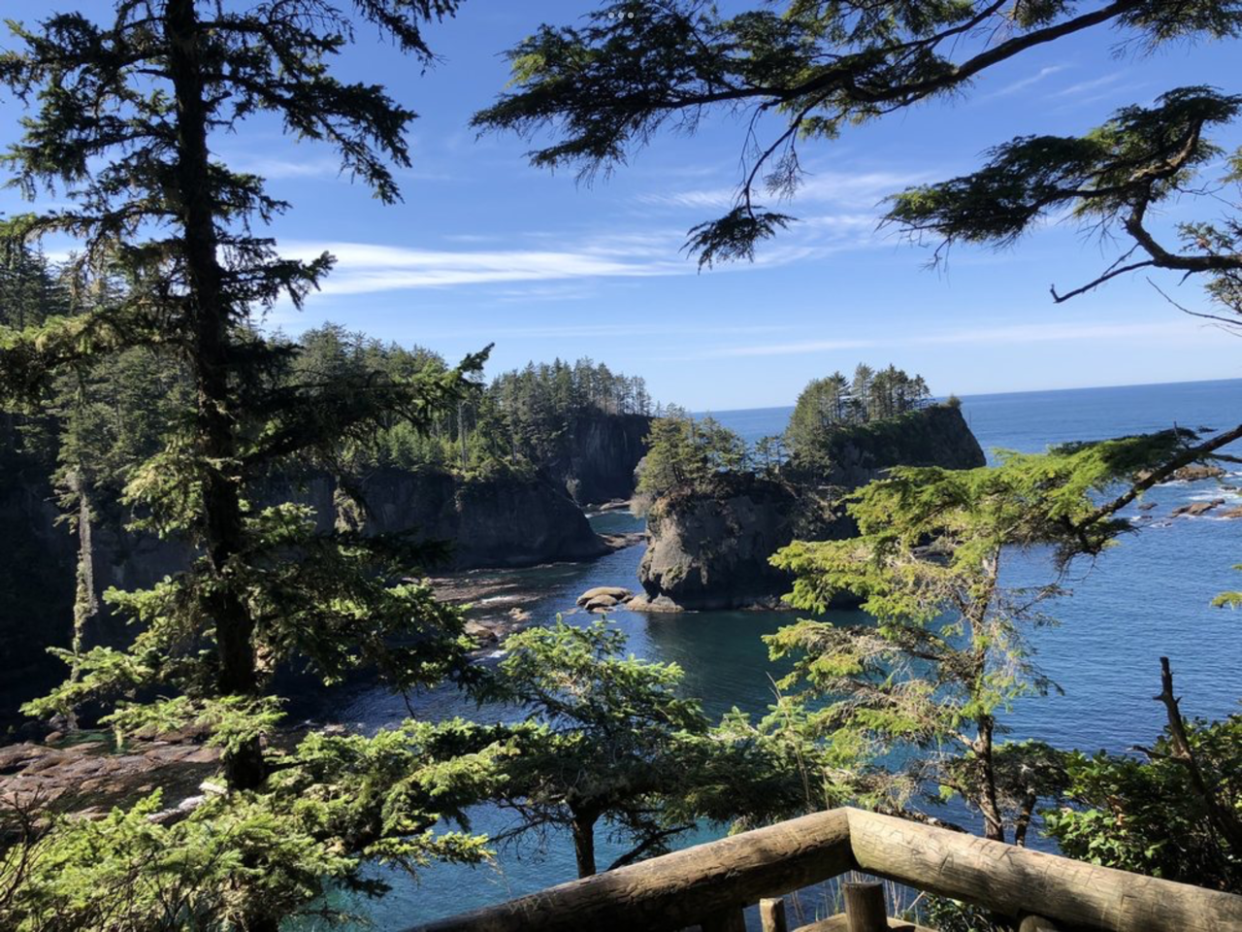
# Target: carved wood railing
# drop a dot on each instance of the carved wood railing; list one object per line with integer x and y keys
{"x": 709, "y": 885}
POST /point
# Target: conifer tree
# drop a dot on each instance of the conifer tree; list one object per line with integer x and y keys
{"x": 949, "y": 651}
{"x": 808, "y": 71}
{"x": 124, "y": 112}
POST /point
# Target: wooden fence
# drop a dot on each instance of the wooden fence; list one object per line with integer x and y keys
{"x": 710, "y": 885}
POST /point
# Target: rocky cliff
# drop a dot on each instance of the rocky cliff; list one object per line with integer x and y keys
{"x": 503, "y": 521}
{"x": 500, "y": 521}
{"x": 708, "y": 548}
{"x": 596, "y": 461}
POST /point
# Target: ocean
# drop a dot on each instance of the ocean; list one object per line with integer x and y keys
{"x": 1147, "y": 598}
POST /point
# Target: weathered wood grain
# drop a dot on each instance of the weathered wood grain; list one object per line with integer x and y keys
{"x": 1013, "y": 880}
{"x": 772, "y": 915}
{"x": 678, "y": 889}
{"x": 841, "y": 924}
{"x": 864, "y": 906}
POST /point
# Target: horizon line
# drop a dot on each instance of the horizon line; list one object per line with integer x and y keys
{"x": 1029, "y": 391}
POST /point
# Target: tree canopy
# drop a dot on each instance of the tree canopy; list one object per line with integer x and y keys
{"x": 948, "y": 653}
{"x": 806, "y": 71}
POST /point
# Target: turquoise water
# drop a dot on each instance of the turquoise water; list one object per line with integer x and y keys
{"x": 1147, "y": 598}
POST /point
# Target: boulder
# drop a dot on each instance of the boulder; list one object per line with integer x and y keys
{"x": 1196, "y": 472}
{"x": 616, "y": 593}
{"x": 601, "y": 603}
{"x": 1195, "y": 509}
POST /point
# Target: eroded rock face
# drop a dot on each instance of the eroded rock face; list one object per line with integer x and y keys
{"x": 599, "y": 457}
{"x": 709, "y": 548}
{"x": 506, "y": 521}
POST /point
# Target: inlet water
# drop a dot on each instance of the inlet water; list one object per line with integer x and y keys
{"x": 1146, "y": 598}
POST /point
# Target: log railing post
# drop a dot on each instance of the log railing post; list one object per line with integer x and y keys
{"x": 772, "y": 915}
{"x": 864, "y": 907}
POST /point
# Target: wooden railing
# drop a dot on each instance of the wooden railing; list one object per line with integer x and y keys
{"x": 709, "y": 885}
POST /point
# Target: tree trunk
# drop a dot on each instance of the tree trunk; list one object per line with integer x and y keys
{"x": 210, "y": 316}
{"x": 85, "y": 605}
{"x": 584, "y": 842}
{"x": 989, "y": 804}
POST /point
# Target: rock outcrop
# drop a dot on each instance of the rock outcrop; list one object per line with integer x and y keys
{"x": 708, "y": 547}
{"x": 501, "y": 521}
{"x": 597, "y": 460}
{"x": 504, "y": 521}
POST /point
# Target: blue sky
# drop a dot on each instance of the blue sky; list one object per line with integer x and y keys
{"x": 486, "y": 249}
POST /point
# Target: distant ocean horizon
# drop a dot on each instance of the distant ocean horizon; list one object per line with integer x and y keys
{"x": 753, "y": 423}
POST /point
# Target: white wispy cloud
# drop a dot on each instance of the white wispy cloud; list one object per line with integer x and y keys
{"x": 369, "y": 267}
{"x": 1024, "y": 83}
{"x": 1056, "y": 333}
{"x": 981, "y": 336}
{"x": 277, "y": 168}
{"x": 863, "y": 189}
{"x": 800, "y": 348}
{"x": 1083, "y": 87}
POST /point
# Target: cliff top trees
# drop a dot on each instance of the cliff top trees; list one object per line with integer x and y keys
{"x": 685, "y": 451}
{"x": 834, "y": 401}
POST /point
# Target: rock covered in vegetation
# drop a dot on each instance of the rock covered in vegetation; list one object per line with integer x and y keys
{"x": 709, "y": 545}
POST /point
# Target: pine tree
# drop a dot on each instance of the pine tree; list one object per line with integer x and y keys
{"x": 948, "y": 653}
{"x": 123, "y": 114}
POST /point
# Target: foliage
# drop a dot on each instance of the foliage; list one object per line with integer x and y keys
{"x": 1148, "y": 816}
{"x": 335, "y": 804}
{"x": 602, "y": 90}
{"x": 830, "y": 403}
{"x": 612, "y": 746}
{"x": 947, "y": 915}
{"x": 685, "y": 452}
{"x": 948, "y": 652}
{"x": 169, "y": 281}
{"x": 608, "y": 742}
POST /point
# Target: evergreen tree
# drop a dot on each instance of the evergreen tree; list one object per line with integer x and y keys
{"x": 612, "y": 744}
{"x": 827, "y": 405}
{"x": 685, "y": 452}
{"x": 123, "y": 115}
{"x": 948, "y": 653}
{"x": 603, "y": 89}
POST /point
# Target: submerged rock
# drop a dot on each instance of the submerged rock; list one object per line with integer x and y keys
{"x": 1195, "y": 509}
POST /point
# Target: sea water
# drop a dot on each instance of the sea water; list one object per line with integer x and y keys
{"x": 1149, "y": 597}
